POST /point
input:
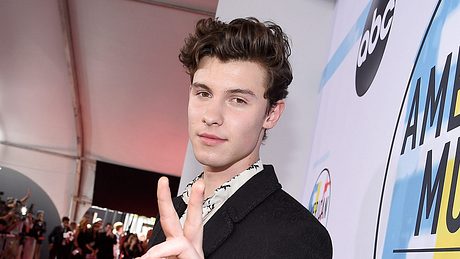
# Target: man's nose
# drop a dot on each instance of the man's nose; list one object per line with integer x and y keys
{"x": 213, "y": 114}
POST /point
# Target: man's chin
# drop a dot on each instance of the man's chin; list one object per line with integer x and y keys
{"x": 212, "y": 163}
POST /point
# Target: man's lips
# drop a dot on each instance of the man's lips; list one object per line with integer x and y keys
{"x": 211, "y": 139}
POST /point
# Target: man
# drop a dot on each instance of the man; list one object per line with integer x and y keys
{"x": 59, "y": 240}
{"x": 105, "y": 242}
{"x": 239, "y": 77}
{"x": 119, "y": 234}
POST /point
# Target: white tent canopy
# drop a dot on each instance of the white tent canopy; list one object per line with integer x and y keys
{"x": 85, "y": 80}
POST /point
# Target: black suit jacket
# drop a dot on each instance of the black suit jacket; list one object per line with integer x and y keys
{"x": 260, "y": 220}
{"x": 57, "y": 235}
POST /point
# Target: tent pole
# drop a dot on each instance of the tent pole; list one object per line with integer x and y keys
{"x": 72, "y": 70}
{"x": 179, "y": 7}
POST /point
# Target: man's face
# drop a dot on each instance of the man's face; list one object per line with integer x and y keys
{"x": 227, "y": 113}
{"x": 108, "y": 228}
{"x": 96, "y": 226}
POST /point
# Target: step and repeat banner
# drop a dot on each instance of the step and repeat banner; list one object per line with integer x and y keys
{"x": 384, "y": 169}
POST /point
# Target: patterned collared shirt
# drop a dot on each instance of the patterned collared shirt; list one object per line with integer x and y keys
{"x": 222, "y": 193}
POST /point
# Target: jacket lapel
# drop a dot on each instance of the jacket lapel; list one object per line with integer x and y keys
{"x": 248, "y": 196}
{"x": 179, "y": 206}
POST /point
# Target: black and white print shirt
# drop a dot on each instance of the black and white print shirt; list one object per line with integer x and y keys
{"x": 222, "y": 193}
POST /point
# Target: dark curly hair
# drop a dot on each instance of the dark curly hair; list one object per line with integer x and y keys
{"x": 244, "y": 40}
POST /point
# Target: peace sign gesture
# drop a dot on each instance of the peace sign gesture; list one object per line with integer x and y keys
{"x": 180, "y": 242}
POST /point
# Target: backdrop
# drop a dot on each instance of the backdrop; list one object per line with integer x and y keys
{"x": 383, "y": 172}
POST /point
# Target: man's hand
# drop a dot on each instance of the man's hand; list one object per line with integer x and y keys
{"x": 180, "y": 243}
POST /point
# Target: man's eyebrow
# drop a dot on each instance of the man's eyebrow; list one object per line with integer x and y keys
{"x": 229, "y": 91}
{"x": 241, "y": 91}
{"x": 200, "y": 85}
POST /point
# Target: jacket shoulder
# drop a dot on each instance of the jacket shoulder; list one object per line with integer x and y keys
{"x": 292, "y": 222}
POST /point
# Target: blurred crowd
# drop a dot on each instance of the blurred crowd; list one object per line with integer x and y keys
{"x": 20, "y": 228}
{"x": 98, "y": 240}
{"x": 22, "y": 232}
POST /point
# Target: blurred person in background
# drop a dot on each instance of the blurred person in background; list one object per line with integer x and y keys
{"x": 38, "y": 232}
{"x": 132, "y": 247}
{"x": 60, "y": 240}
{"x": 105, "y": 242}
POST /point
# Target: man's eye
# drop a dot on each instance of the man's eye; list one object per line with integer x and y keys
{"x": 239, "y": 100}
{"x": 203, "y": 94}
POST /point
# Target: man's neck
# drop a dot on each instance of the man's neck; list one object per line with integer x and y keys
{"x": 214, "y": 178}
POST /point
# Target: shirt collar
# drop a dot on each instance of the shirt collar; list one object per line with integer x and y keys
{"x": 223, "y": 192}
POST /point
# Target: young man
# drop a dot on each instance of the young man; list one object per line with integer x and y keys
{"x": 59, "y": 245}
{"x": 240, "y": 74}
{"x": 105, "y": 241}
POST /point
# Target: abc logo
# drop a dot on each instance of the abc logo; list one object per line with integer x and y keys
{"x": 373, "y": 43}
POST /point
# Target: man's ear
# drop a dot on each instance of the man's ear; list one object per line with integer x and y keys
{"x": 274, "y": 114}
